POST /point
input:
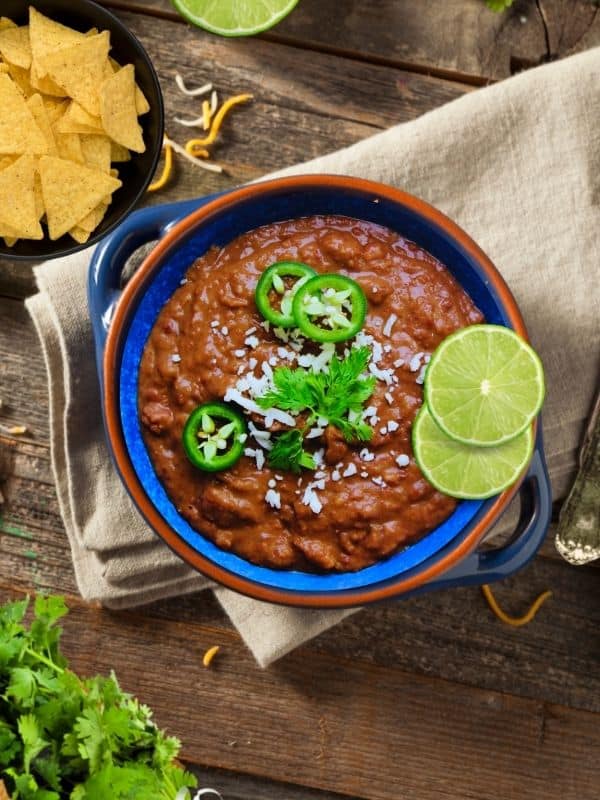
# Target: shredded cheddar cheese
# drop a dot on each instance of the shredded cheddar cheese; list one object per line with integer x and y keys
{"x": 161, "y": 182}
{"x": 209, "y": 655}
{"x": 193, "y": 145}
{"x": 516, "y": 622}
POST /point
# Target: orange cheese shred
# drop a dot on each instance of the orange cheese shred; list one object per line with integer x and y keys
{"x": 161, "y": 182}
{"x": 209, "y": 655}
{"x": 516, "y": 622}
{"x": 193, "y": 144}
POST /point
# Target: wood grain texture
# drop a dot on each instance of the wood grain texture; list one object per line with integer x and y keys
{"x": 340, "y": 725}
{"x": 572, "y": 25}
{"x": 454, "y": 39}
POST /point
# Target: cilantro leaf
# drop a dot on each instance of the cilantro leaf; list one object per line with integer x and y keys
{"x": 499, "y": 5}
{"x": 63, "y": 737}
{"x": 330, "y": 395}
{"x": 288, "y": 454}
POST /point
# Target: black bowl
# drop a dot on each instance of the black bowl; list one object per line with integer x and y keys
{"x": 135, "y": 174}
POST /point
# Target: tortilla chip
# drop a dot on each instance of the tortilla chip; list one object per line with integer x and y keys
{"x": 44, "y": 84}
{"x": 118, "y": 111}
{"x": 15, "y": 47}
{"x": 10, "y": 241}
{"x": 19, "y": 132}
{"x": 48, "y": 36}
{"x": 68, "y": 146}
{"x": 4, "y": 67}
{"x": 5, "y": 23}
{"x": 96, "y": 151}
{"x": 40, "y": 208}
{"x": 22, "y": 79}
{"x": 141, "y": 103}
{"x": 79, "y": 235}
{"x": 77, "y": 120}
{"x": 55, "y": 108}
{"x": 70, "y": 192}
{"x": 94, "y": 218}
{"x": 80, "y": 69}
{"x": 118, "y": 153}
{"x": 17, "y": 200}
{"x": 6, "y": 161}
{"x": 38, "y": 109}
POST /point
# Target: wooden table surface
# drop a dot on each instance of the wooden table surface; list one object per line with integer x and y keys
{"x": 427, "y": 698}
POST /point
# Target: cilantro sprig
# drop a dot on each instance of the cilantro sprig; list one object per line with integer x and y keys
{"x": 337, "y": 395}
{"x": 67, "y": 738}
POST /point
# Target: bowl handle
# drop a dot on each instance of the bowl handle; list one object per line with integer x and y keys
{"x": 485, "y": 566}
{"x": 111, "y": 255}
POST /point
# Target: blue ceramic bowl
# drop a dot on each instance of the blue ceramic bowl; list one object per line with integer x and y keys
{"x": 447, "y": 555}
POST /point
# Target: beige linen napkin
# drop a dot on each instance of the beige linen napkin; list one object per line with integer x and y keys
{"x": 518, "y": 166}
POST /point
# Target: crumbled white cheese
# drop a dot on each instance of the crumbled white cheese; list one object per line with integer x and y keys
{"x": 225, "y": 330}
{"x": 239, "y": 353}
{"x": 381, "y": 374}
{"x": 251, "y": 341}
{"x": 272, "y": 483}
{"x": 389, "y": 324}
{"x": 251, "y": 331}
{"x": 311, "y": 500}
{"x": 278, "y": 477}
{"x": 314, "y": 433}
{"x": 349, "y": 471}
{"x": 275, "y": 414}
{"x": 214, "y": 323}
{"x": 183, "y": 282}
{"x": 260, "y": 459}
{"x": 369, "y": 411}
{"x": 389, "y": 398}
{"x": 318, "y": 457}
{"x": 402, "y": 460}
{"x": 252, "y": 362}
{"x": 263, "y": 438}
{"x": 392, "y": 426}
{"x": 335, "y": 475}
{"x": 399, "y": 362}
{"x": 176, "y": 358}
{"x": 378, "y": 481}
{"x": 383, "y": 431}
{"x": 320, "y": 474}
{"x": 366, "y": 455}
{"x": 241, "y": 368}
{"x": 273, "y": 498}
{"x": 421, "y": 375}
{"x": 364, "y": 474}
{"x": 387, "y": 348}
{"x": 415, "y": 362}
{"x": 267, "y": 371}
{"x": 272, "y": 361}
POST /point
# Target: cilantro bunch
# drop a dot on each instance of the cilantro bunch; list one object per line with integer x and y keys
{"x": 63, "y": 737}
{"x": 336, "y": 395}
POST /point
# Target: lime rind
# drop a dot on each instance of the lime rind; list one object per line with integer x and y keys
{"x": 464, "y": 471}
{"x": 454, "y": 376}
{"x": 230, "y": 13}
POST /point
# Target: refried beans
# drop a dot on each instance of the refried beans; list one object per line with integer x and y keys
{"x": 373, "y": 499}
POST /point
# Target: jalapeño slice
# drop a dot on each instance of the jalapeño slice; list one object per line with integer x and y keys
{"x": 330, "y": 308}
{"x": 211, "y": 436}
{"x": 273, "y": 280}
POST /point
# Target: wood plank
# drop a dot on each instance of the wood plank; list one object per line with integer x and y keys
{"x": 457, "y": 38}
{"x": 339, "y": 725}
{"x": 236, "y": 786}
{"x": 572, "y": 25}
{"x": 334, "y": 102}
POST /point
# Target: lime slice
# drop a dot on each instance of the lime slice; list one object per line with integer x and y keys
{"x": 484, "y": 385}
{"x": 234, "y": 17}
{"x": 465, "y": 471}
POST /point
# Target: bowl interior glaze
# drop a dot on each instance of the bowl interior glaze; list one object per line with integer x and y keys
{"x": 135, "y": 174}
{"x": 192, "y": 238}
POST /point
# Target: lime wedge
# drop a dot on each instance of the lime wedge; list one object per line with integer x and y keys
{"x": 484, "y": 385}
{"x": 234, "y": 17}
{"x": 465, "y": 471}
